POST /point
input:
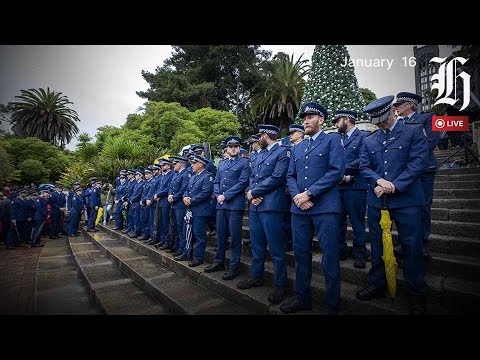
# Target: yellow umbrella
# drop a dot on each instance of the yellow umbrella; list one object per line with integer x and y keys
{"x": 388, "y": 258}
{"x": 99, "y": 216}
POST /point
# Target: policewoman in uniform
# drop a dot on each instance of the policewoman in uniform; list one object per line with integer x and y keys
{"x": 229, "y": 189}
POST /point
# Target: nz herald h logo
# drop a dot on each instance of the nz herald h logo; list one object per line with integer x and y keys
{"x": 447, "y": 78}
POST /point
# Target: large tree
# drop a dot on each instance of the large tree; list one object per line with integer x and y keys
{"x": 34, "y": 160}
{"x": 44, "y": 114}
{"x": 216, "y": 76}
{"x": 333, "y": 85}
{"x": 277, "y": 98}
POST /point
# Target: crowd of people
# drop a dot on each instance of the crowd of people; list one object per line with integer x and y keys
{"x": 294, "y": 189}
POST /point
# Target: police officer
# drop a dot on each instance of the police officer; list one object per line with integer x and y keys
{"x": 122, "y": 171}
{"x": 130, "y": 186}
{"x": 267, "y": 196}
{"x": 253, "y": 141}
{"x": 95, "y": 203}
{"x": 58, "y": 202}
{"x": 229, "y": 189}
{"x": 353, "y": 187}
{"x": 18, "y": 212}
{"x": 29, "y": 223}
{"x": 392, "y": 160}
{"x": 75, "y": 186}
{"x": 153, "y": 226}
{"x": 177, "y": 188}
{"x": 135, "y": 198}
{"x": 200, "y": 150}
{"x": 119, "y": 193}
{"x": 145, "y": 206}
{"x": 406, "y": 106}
{"x": 162, "y": 196}
{"x": 198, "y": 197}
{"x": 76, "y": 210}
{"x": 296, "y": 134}
{"x": 315, "y": 169}
{"x": 40, "y": 217}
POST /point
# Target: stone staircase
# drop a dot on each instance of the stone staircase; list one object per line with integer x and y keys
{"x": 453, "y": 274}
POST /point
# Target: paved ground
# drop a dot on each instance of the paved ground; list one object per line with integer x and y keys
{"x": 51, "y": 271}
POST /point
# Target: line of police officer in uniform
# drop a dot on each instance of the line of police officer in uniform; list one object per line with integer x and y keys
{"x": 312, "y": 184}
{"x": 306, "y": 187}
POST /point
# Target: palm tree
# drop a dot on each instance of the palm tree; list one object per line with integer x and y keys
{"x": 44, "y": 114}
{"x": 278, "y": 98}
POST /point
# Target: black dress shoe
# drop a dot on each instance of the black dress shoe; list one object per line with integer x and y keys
{"x": 214, "y": 267}
{"x": 9, "y": 247}
{"x": 38, "y": 245}
{"x": 178, "y": 253}
{"x": 277, "y": 295}
{"x": 125, "y": 231}
{"x": 370, "y": 292}
{"x": 141, "y": 237}
{"x": 360, "y": 263}
{"x": 195, "y": 263}
{"x": 398, "y": 251}
{"x": 149, "y": 242}
{"x": 181, "y": 257}
{"x": 116, "y": 228}
{"x": 249, "y": 283}
{"x": 230, "y": 274}
{"x": 295, "y": 305}
{"x": 146, "y": 239}
{"x": 164, "y": 247}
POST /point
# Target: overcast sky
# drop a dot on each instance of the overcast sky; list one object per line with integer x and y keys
{"x": 101, "y": 80}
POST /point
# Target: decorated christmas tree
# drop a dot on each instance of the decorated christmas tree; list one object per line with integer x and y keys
{"x": 331, "y": 83}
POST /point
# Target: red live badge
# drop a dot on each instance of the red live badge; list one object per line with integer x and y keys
{"x": 450, "y": 123}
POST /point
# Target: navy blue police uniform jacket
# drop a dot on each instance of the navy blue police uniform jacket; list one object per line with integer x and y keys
{"x": 200, "y": 189}
{"x": 352, "y": 147}
{"x": 319, "y": 170}
{"x": 433, "y": 137}
{"x": 77, "y": 204}
{"x": 268, "y": 179}
{"x": 400, "y": 160}
{"x": 163, "y": 189}
{"x": 231, "y": 181}
{"x": 177, "y": 188}
{"x": 41, "y": 210}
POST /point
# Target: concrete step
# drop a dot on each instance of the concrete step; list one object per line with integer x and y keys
{"x": 253, "y": 300}
{"x": 460, "y": 171}
{"x": 180, "y": 294}
{"x": 58, "y": 289}
{"x": 460, "y": 215}
{"x": 456, "y": 194}
{"x": 465, "y": 204}
{"x": 461, "y": 177}
{"x": 112, "y": 291}
{"x": 462, "y": 184}
{"x": 439, "y": 244}
{"x": 457, "y": 266}
{"x": 458, "y": 295}
{"x": 438, "y": 227}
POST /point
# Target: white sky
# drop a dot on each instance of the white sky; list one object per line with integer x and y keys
{"x": 101, "y": 80}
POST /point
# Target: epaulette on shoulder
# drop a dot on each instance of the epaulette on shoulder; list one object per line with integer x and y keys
{"x": 412, "y": 122}
{"x": 373, "y": 132}
{"x": 334, "y": 133}
{"x": 286, "y": 146}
